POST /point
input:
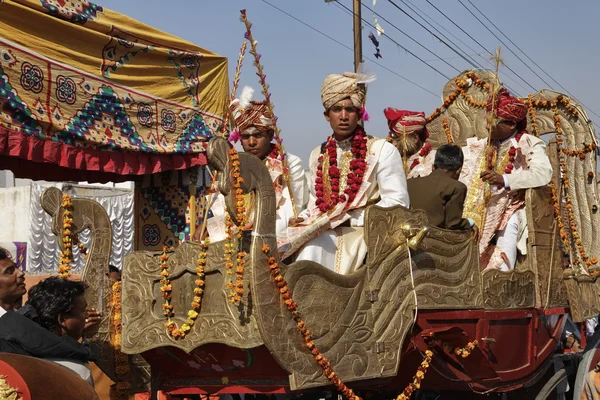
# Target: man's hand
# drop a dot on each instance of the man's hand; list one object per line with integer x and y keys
{"x": 492, "y": 178}
{"x": 295, "y": 221}
{"x": 475, "y": 233}
{"x": 91, "y": 322}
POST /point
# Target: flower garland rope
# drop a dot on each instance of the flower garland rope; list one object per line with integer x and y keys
{"x": 569, "y": 204}
{"x": 265, "y": 91}
{"x": 417, "y": 378}
{"x": 66, "y": 255}
{"x": 166, "y": 288}
{"x": 122, "y": 369}
{"x": 236, "y": 290}
{"x": 358, "y": 165}
{"x": 447, "y": 130}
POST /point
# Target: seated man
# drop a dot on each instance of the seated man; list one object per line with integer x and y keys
{"x": 409, "y": 134}
{"x": 440, "y": 193}
{"x": 255, "y": 126}
{"x": 12, "y": 284}
{"x": 19, "y": 334}
{"x": 501, "y": 171}
{"x": 349, "y": 171}
{"x": 61, "y": 308}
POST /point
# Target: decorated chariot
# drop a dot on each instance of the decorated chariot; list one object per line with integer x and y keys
{"x": 419, "y": 314}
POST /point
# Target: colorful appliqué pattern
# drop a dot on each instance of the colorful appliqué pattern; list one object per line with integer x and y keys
{"x": 168, "y": 121}
{"x": 104, "y": 118}
{"x": 76, "y": 11}
{"x": 150, "y": 235}
{"x": 32, "y": 77}
{"x": 188, "y": 69}
{"x": 195, "y": 131}
{"x": 66, "y": 91}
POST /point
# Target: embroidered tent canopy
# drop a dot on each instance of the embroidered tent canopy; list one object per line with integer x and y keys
{"x": 90, "y": 94}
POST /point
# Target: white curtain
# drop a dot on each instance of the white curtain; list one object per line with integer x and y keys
{"x": 42, "y": 251}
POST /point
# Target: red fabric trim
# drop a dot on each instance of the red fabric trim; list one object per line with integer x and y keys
{"x": 15, "y": 380}
{"x": 35, "y": 158}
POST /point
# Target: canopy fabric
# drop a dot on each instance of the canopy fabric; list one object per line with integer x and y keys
{"x": 85, "y": 88}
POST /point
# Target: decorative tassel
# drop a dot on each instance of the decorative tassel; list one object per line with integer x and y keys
{"x": 234, "y": 136}
{"x": 364, "y": 114}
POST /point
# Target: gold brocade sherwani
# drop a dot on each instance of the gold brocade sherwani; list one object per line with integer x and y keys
{"x": 491, "y": 208}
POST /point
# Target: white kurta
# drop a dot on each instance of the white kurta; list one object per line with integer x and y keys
{"x": 343, "y": 249}
{"x": 532, "y": 169}
{"x": 216, "y": 224}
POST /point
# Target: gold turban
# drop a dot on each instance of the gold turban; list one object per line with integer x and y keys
{"x": 346, "y": 86}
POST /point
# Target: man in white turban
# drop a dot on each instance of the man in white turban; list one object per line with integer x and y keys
{"x": 348, "y": 172}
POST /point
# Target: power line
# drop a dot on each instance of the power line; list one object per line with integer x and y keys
{"x": 430, "y": 32}
{"x": 474, "y": 63}
{"x": 410, "y": 37}
{"x": 480, "y": 45}
{"x": 529, "y": 58}
{"x": 426, "y": 18}
{"x": 397, "y": 44}
{"x": 351, "y": 49}
{"x": 496, "y": 36}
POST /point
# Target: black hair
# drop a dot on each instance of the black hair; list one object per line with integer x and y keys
{"x": 54, "y": 296}
{"x": 112, "y": 268}
{"x": 449, "y": 157}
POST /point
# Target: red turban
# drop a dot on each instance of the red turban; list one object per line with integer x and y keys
{"x": 508, "y": 107}
{"x": 404, "y": 121}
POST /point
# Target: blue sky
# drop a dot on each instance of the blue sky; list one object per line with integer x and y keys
{"x": 561, "y": 37}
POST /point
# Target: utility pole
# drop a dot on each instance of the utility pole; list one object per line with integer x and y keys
{"x": 357, "y": 35}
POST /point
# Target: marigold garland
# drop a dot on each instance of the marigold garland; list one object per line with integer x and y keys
{"x": 327, "y": 201}
{"x": 447, "y": 130}
{"x": 569, "y": 204}
{"x": 122, "y": 369}
{"x": 82, "y": 249}
{"x": 464, "y": 352}
{"x": 236, "y": 290}
{"x": 532, "y": 116}
{"x": 166, "y": 289}
{"x": 291, "y": 305}
{"x": 66, "y": 255}
{"x": 417, "y": 378}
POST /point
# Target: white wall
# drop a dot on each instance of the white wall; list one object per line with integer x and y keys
{"x": 14, "y": 214}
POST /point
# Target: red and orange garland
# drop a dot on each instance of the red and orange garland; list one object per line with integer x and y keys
{"x": 308, "y": 341}
{"x": 323, "y": 362}
{"x": 417, "y": 378}
{"x": 512, "y": 153}
{"x": 447, "y": 130}
{"x": 236, "y": 290}
{"x": 532, "y": 116}
{"x": 80, "y": 246}
{"x": 424, "y": 152}
{"x": 464, "y": 352}
{"x": 121, "y": 390}
{"x": 358, "y": 165}
{"x": 166, "y": 288}
{"x": 66, "y": 255}
{"x": 569, "y": 204}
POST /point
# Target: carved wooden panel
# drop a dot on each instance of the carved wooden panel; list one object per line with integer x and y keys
{"x": 504, "y": 290}
{"x": 219, "y": 321}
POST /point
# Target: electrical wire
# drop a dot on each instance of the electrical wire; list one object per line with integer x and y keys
{"x": 351, "y": 49}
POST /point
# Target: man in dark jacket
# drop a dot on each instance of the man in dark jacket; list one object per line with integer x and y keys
{"x": 440, "y": 194}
